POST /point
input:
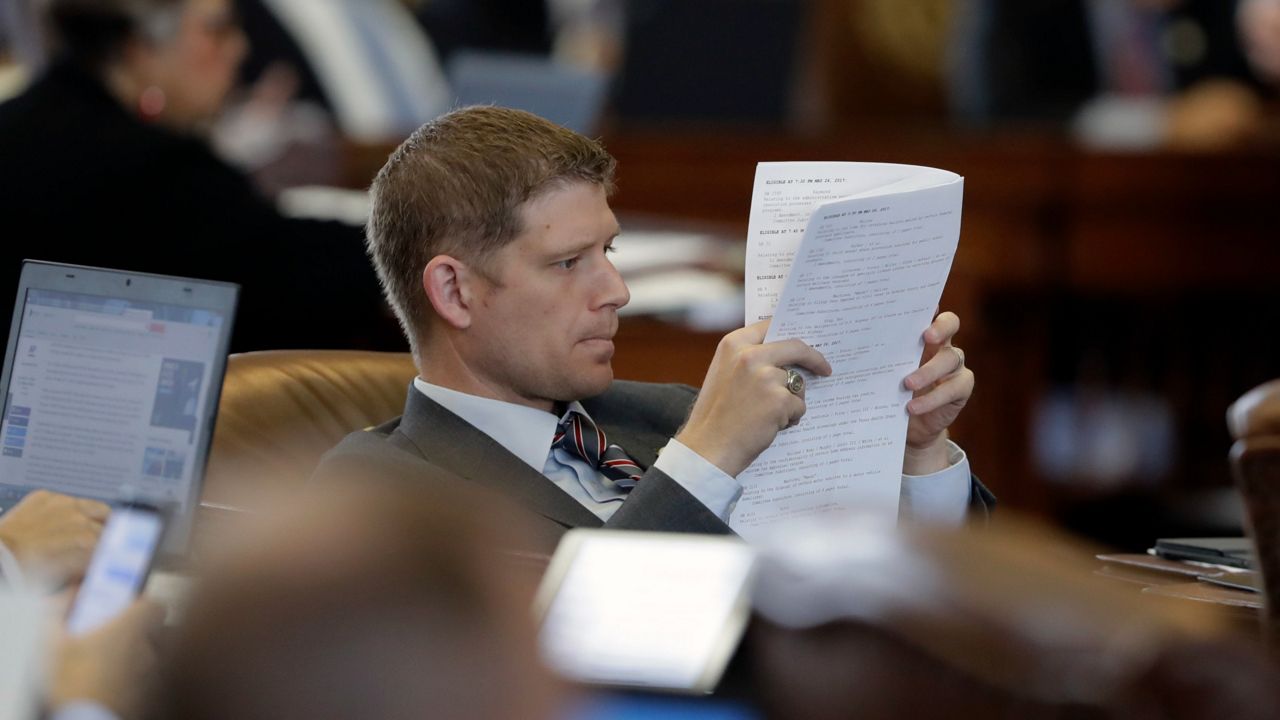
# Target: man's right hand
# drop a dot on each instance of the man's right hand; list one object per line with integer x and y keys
{"x": 54, "y": 533}
{"x": 744, "y": 401}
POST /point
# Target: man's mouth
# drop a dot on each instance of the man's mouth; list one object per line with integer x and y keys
{"x": 602, "y": 343}
{"x": 605, "y": 335}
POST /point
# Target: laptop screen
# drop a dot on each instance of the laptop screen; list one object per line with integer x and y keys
{"x": 112, "y": 396}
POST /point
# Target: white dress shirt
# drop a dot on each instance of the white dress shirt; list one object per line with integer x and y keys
{"x": 942, "y": 497}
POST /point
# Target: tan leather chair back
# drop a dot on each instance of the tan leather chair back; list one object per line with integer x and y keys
{"x": 1254, "y": 422}
{"x": 282, "y": 409}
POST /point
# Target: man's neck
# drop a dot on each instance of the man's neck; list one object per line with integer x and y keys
{"x": 445, "y": 368}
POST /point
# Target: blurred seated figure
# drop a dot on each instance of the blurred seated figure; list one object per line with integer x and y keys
{"x": 365, "y": 600}
{"x": 1259, "y": 26}
{"x": 366, "y": 62}
{"x": 1124, "y": 72}
{"x": 50, "y": 537}
{"x": 18, "y": 53}
{"x": 104, "y": 165}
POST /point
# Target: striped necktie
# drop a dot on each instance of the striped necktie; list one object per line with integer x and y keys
{"x": 579, "y": 436}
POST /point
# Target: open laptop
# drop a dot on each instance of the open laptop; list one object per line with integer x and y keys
{"x": 111, "y": 382}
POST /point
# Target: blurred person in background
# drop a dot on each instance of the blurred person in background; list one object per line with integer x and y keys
{"x": 1259, "y": 26}
{"x": 104, "y": 164}
{"x": 366, "y": 600}
{"x": 1125, "y": 73}
{"x": 15, "y": 47}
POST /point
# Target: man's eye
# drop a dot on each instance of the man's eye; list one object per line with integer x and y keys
{"x": 567, "y": 264}
{"x": 610, "y": 249}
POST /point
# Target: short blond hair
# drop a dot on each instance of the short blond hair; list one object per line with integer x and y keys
{"x": 455, "y": 187}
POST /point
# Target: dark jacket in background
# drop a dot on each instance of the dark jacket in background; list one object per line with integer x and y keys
{"x": 83, "y": 181}
{"x": 508, "y": 26}
{"x": 1024, "y": 60}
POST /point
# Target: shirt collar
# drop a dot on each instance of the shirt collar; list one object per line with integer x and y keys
{"x": 524, "y": 431}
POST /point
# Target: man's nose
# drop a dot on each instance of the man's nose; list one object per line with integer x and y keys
{"x": 613, "y": 289}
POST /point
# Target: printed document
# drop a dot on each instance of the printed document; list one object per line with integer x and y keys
{"x": 851, "y": 258}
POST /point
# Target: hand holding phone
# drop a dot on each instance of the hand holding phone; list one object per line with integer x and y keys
{"x": 119, "y": 568}
{"x": 113, "y": 666}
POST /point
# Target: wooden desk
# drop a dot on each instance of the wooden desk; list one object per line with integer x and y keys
{"x": 1167, "y": 580}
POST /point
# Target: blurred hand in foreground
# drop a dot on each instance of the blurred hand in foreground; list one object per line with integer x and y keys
{"x": 54, "y": 534}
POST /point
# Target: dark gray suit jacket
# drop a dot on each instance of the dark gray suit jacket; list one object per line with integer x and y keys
{"x": 429, "y": 443}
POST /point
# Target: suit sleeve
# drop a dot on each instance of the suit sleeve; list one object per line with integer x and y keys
{"x": 661, "y": 504}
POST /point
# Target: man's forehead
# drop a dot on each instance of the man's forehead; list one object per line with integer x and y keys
{"x": 577, "y": 213}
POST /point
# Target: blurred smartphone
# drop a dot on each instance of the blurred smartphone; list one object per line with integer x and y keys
{"x": 119, "y": 568}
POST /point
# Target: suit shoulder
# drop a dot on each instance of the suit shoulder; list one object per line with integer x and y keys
{"x": 378, "y": 443}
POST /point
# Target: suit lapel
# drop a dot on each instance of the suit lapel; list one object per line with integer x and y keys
{"x": 447, "y": 440}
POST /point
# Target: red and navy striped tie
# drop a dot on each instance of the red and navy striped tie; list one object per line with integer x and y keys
{"x": 579, "y": 436}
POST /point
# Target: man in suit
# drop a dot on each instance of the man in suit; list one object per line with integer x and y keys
{"x": 490, "y": 231}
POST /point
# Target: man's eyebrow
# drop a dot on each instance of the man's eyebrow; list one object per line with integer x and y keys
{"x": 581, "y": 247}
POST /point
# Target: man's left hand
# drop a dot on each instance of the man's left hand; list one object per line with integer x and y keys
{"x": 942, "y": 385}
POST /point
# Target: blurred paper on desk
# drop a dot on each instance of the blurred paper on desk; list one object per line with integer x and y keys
{"x": 21, "y": 652}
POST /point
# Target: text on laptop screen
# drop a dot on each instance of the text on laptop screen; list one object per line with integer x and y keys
{"x": 107, "y": 393}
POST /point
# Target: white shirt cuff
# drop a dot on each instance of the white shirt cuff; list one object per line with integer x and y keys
{"x": 940, "y": 498}
{"x": 710, "y": 485}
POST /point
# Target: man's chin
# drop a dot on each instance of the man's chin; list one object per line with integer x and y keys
{"x": 594, "y": 383}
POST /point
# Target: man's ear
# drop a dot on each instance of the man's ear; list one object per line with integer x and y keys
{"x": 445, "y": 281}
